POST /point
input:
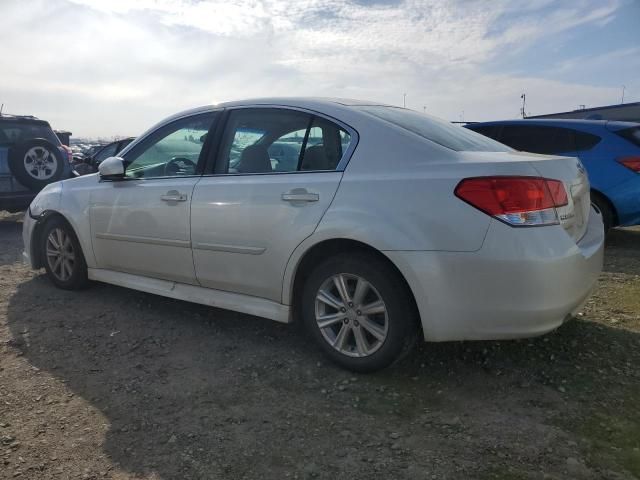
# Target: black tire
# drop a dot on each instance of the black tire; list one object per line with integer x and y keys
{"x": 401, "y": 320}
{"x": 74, "y": 277}
{"x": 36, "y": 163}
{"x": 605, "y": 210}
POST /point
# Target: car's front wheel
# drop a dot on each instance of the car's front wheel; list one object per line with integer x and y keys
{"x": 359, "y": 311}
{"x": 62, "y": 256}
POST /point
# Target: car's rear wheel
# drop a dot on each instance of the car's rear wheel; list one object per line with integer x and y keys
{"x": 62, "y": 256}
{"x": 36, "y": 163}
{"x": 359, "y": 311}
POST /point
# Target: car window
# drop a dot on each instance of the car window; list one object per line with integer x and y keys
{"x": 171, "y": 151}
{"x": 438, "y": 131}
{"x": 529, "y": 138}
{"x": 491, "y": 131}
{"x": 123, "y": 144}
{"x": 16, "y": 132}
{"x": 586, "y": 141}
{"x": 106, "y": 152}
{"x": 270, "y": 140}
{"x": 545, "y": 139}
{"x": 631, "y": 134}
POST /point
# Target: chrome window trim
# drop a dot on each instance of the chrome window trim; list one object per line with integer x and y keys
{"x": 346, "y": 155}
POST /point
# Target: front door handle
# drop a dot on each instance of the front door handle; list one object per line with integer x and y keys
{"x": 173, "y": 196}
{"x": 300, "y": 195}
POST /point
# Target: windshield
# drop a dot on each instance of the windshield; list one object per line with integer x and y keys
{"x": 437, "y": 130}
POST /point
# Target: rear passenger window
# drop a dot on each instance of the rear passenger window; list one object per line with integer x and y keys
{"x": 564, "y": 140}
{"x": 539, "y": 139}
{"x": 528, "y": 138}
{"x": 270, "y": 140}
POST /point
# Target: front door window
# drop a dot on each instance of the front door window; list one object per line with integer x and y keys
{"x": 172, "y": 151}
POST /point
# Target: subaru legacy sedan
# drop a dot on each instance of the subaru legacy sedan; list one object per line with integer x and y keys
{"x": 373, "y": 225}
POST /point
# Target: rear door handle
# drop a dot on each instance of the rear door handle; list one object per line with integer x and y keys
{"x": 173, "y": 196}
{"x": 300, "y": 195}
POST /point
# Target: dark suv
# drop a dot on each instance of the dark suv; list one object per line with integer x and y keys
{"x": 31, "y": 156}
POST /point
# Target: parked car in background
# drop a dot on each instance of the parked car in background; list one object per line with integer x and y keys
{"x": 389, "y": 225}
{"x": 31, "y": 157}
{"x": 89, "y": 164}
{"x": 64, "y": 136}
{"x": 610, "y": 151}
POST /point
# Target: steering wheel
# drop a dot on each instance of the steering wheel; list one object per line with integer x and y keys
{"x": 179, "y": 166}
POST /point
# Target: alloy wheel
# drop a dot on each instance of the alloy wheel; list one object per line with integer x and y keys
{"x": 40, "y": 163}
{"x": 351, "y": 315}
{"x": 60, "y": 254}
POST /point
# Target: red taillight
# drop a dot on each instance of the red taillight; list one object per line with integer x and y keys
{"x": 515, "y": 200}
{"x": 558, "y": 193}
{"x": 632, "y": 163}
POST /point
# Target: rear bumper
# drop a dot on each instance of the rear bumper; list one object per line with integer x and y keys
{"x": 523, "y": 282}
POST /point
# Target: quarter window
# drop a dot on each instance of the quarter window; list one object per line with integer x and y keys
{"x": 547, "y": 140}
{"x": 270, "y": 140}
{"x": 171, "y": 151}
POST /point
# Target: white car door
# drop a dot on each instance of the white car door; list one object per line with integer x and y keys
{"x": 140, "y": 224}
{"x": 276, "y": 173}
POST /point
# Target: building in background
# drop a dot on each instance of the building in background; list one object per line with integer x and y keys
{"x": 626, "y": 112}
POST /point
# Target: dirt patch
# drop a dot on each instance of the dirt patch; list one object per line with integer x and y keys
{"x": 112, "y": 383}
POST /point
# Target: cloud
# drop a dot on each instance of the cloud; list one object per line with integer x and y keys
{"x": 105, "y": 68}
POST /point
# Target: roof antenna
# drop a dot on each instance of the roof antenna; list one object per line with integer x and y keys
{"x": 524, "y": 100}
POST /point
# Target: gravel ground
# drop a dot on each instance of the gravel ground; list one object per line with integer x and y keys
{"x": 112, "y": 383}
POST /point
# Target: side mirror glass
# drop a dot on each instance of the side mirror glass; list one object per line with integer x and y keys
{"x": 111, "y": 168}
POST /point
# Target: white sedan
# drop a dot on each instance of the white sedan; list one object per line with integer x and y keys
{"x": 372, "y": 224}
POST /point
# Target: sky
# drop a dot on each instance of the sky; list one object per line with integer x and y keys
{"x": 104, "y": 68}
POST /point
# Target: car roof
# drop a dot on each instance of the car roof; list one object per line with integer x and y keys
{"x": 299, "y": 102}
{"x": 565, "y": 122}
{"x": 310, "y": 103}
{"x": 22, "y": 119}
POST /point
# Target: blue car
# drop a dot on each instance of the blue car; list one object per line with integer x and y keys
{"x": 610, "y": 151}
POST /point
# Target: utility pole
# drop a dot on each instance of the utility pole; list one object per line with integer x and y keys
{"x": 404, "y": 100}
{"x": 622, "y": 100}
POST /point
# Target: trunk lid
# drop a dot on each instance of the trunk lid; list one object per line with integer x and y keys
{"x": 575, "y": 215}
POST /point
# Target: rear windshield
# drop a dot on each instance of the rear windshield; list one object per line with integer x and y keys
{"x": 16, "y": 132}
{"x": 632, "y": 134}
{"x": 437, "y": 130}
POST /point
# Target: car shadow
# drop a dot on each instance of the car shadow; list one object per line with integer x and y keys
{"x": 194, "y": 392}
{"x": 623, "y": 251}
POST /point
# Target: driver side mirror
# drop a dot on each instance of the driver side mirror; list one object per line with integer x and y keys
{"x": 111, "y": 168}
